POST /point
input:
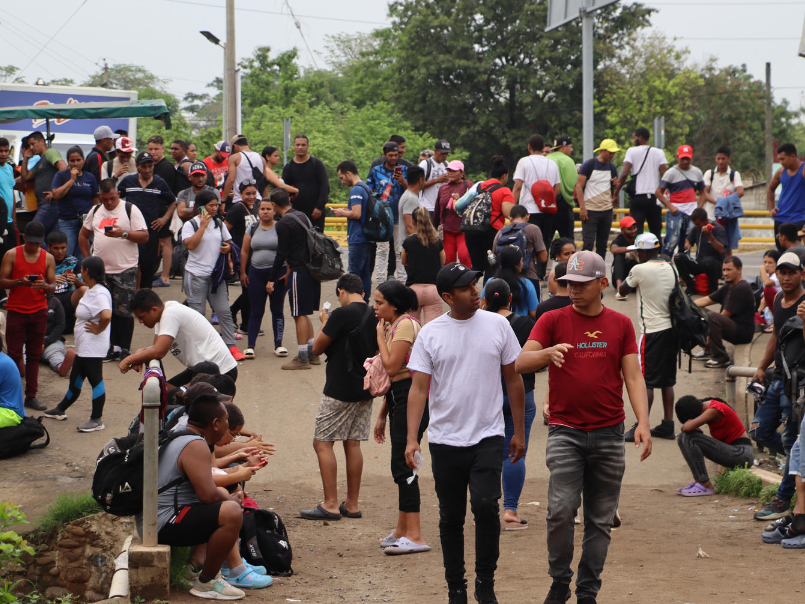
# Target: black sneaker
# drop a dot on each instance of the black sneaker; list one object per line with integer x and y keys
{"x": 457, "y": 596}
{"x": 628, "y": 436}
{"x": 775, "y": 509}
{"x": 585, "y": 600}
{"x": 485, "y": 591}
{"x": 779, "y": 523}
{"x": 111, "y": 356}
{"x": 559, "y": 593}
{"x": 124, "y": 352}
{"x": 56, "y": 413}
{"x": 664, "y": 430}
{"x": 33, "y": 403}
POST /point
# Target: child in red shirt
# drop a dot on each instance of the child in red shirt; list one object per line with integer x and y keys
{"x": 728, "y": 444}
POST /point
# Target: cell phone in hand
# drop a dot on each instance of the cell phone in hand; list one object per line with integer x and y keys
{"x": 108, "y": 228}
{"x": 326, "y": 306}
{"x": 261, "y": 464}
{"x": 32, "y": 278}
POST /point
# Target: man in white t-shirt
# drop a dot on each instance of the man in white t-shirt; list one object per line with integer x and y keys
{"x": 647, "y": 164}
{"x": 529, "y": 170}
{"x": 435, "y": 175}
{"x": 180, "y": 330}
{"x": 721, "y": 182}
{"x": 466, "y": 431}
{"x": 117, "y": 227}
{"x": 654, "y": 280}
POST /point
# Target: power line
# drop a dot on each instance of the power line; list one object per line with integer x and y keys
{"x": 75, "y": 12}
{"x": 301, "y": 33}
{"x": 271, "y": 12}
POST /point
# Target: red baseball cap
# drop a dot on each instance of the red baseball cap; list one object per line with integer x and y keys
{"x": 685, "y": 151}
{"x": 627, "y": 221}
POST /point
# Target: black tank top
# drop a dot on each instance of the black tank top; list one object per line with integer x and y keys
{"x": 781, "y": 315}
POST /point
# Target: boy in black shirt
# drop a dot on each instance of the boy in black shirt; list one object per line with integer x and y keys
{"x": 348, "y": 336}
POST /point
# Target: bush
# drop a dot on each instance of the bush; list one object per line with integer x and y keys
{"x": 66, "y": 508}
{"x": 739, "y": 481}
{"x": 12, "y": 546}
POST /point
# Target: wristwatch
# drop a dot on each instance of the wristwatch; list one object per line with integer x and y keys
{"x": 125, "y": 235}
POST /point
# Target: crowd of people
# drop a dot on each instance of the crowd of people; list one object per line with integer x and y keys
{"x": 89, "y": 264}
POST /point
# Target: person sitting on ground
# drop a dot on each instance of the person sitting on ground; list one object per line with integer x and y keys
{"x": 55, "y": 354}
{"x": 771, "y": 283}
{"x": 93, "y": 316}
{"x": 712, "y": 248}
{"x": 195, "y": 512}
{"x": 728, "y": 444}
{"x": 423, "y": 256}
{"x": 736, "y": 321}
{"x": 623, "y": 260}
{"x": 68, "y": 276}
{"x": 561, "y": 298}
{"x": 12, "y": 410}
{"x": 499, "y": 301}
{"x": 788, "y": 238}
{"x": 561, "y": 250}
{"x": 180, "y": 330}
{"x": 524, "y": 296}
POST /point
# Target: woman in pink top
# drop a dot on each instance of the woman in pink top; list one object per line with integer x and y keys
{"x": 445, "y": 216}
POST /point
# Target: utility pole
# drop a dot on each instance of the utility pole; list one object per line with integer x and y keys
{"x": 769, "y": 155}
{"x": 587, "y": 77}
{"x": 230, "y": 83}
{"x": 105, "y": 83}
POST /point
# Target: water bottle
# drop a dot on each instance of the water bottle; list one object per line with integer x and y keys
{"x": 491, "y": 258}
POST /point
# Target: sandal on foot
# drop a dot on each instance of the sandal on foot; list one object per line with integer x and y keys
{"x": 319, "y": 513}
{"x": 405, "y": 546}
{"x": 347, "y": 514}
{"x": 697, "y": 490}
{"x": 680, "y": 489}
{"x": 516, "y": 525}
{"x": 281, "y": 351}
{"x": 249, "y": 353}
{"x": 388, "y": 541}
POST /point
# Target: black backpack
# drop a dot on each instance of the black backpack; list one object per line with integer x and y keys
{"x": 792, "y": 351}
{"x": 264, "y": 542}
{"x": 514, "y": 235}
{"x": 477, "y": 216}
{"x": 378, "y": 223}
{"x": 182, "y": 180}
{"x": 689, "y": 322}
{"x": 324, "y": 253}
{"x": 16, "y": 440}
{"x": 118, "y": 481}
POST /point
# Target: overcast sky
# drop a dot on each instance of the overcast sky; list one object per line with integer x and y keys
{"x": 162, "y": 35}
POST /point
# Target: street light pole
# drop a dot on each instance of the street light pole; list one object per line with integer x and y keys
{"x": 230, "y": 88}
{"x": 215, "y": 40}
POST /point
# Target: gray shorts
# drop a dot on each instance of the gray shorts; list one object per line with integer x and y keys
{"x": 122, "y": 287}
{"x": 339, "y": 420}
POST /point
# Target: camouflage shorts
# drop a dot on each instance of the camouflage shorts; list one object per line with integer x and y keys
{"x": 339, "y": 421}
{"x": 122, "y": 286}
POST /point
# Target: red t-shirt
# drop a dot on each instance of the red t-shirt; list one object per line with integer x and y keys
{"x": 218, "y": 170}
{"x": 587, "y": 391}
{"x": 498, "y": 197}
{"x": 729, "y": 427}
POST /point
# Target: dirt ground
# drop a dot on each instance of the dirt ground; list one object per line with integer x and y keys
{"x": 652, "y": 557}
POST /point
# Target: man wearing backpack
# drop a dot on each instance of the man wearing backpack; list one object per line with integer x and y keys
{"x": 528, "y": 238}
{"x": 654, "y": 280}
{"x": 776, "y": 407}
{"x": 304, "y": 292}
{"x": 116, "y": 228}
{"x": 360, "y": 248}
{"x": 721, "y": 181}
{"x": 348, "y": 335}
{"x": 435, "y": 175}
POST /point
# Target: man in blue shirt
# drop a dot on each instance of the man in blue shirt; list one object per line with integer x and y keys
{"x": 7, "y": 195}
{"x": 791, "y": 175}
{"x": 388, "y": 181}
{"x": 360, "y": 249}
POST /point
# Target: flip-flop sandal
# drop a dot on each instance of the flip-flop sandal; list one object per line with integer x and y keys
{"x": 347, "y": 514}
{"x": 405, "y": 546}
{"x": 319, "y": 513}
{"x": 389, "y": 541}
{"x": 281, "y": 351}
{"x": 697, "y": 490}
{"x": 516, "y": 525}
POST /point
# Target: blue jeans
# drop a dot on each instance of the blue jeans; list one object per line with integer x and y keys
{"x": 360, "y": 263}
{"x": 514, "y": 473}
{"x": 71, "y": 229}
{"x": 676, "y": 229}
{"x": 258, "y": 277}
{"x": 48, "y": 215}
{"x": 776, "y": 410}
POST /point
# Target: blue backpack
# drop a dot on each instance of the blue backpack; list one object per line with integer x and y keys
{"x": 514, "y": 235}
{"x": 378, "y": 223}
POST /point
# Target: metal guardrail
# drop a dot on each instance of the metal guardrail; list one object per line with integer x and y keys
{"x": 151, "y": 402}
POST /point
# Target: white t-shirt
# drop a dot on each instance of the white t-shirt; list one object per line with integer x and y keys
{"x": 194, "y": 338}
{"x": 94, "y": 301}
{"x": 531, "y": 169}
{"x": 118, "y": 254}
{"x": 654, "y": 281}
{"x": 648, "y": 177}
{"x": 427, "y": 197}
{"x": 201, "y": 260}
{"x": 464, "y": 361}
{"x": 721, "y": 187}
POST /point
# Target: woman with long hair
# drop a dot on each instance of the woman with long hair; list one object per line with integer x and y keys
{"x": 272, "y": 157}
{"x": 93, "y": 314}
{"x": 423, "y": 255}
{"x": 396, "y": 333}
{"x": 524, "y": 297}
{"x": 258, "y": 254}
{"x": 561, "y": 250}
{"x": 498, "y": 300}
{"x": 445, "y": 216}
{"x": 76, "y": 191}
{"x": 239, "y": 219}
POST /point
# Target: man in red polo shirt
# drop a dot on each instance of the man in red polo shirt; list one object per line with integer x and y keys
{"x": 592, "y": 352}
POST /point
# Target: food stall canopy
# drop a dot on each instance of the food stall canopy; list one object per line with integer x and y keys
{"x": 83, "y": 111}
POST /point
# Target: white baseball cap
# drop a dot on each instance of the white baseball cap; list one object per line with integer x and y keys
{"x": 645, "y": 241}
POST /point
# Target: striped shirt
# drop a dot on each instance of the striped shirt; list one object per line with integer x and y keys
{"x": 147, "y": 199}
{"x": 682, "y": 186}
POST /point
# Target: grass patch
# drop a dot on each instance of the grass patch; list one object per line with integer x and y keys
{"x": 180, "y": 557}
{"x": 739, "y": 481}
{"x": 66, "y": 508}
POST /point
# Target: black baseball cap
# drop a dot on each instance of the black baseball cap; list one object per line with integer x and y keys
{"x": 34, "y": 232}
{"x": 561, "y": 140}
{"x": 143, "y": 157}
{"x": 442, "y": 146}
{"x": 453, "y": 275}
{"x": 390, "y": 146}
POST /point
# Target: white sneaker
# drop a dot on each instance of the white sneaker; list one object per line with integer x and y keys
{"x": 217, "y": 589}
